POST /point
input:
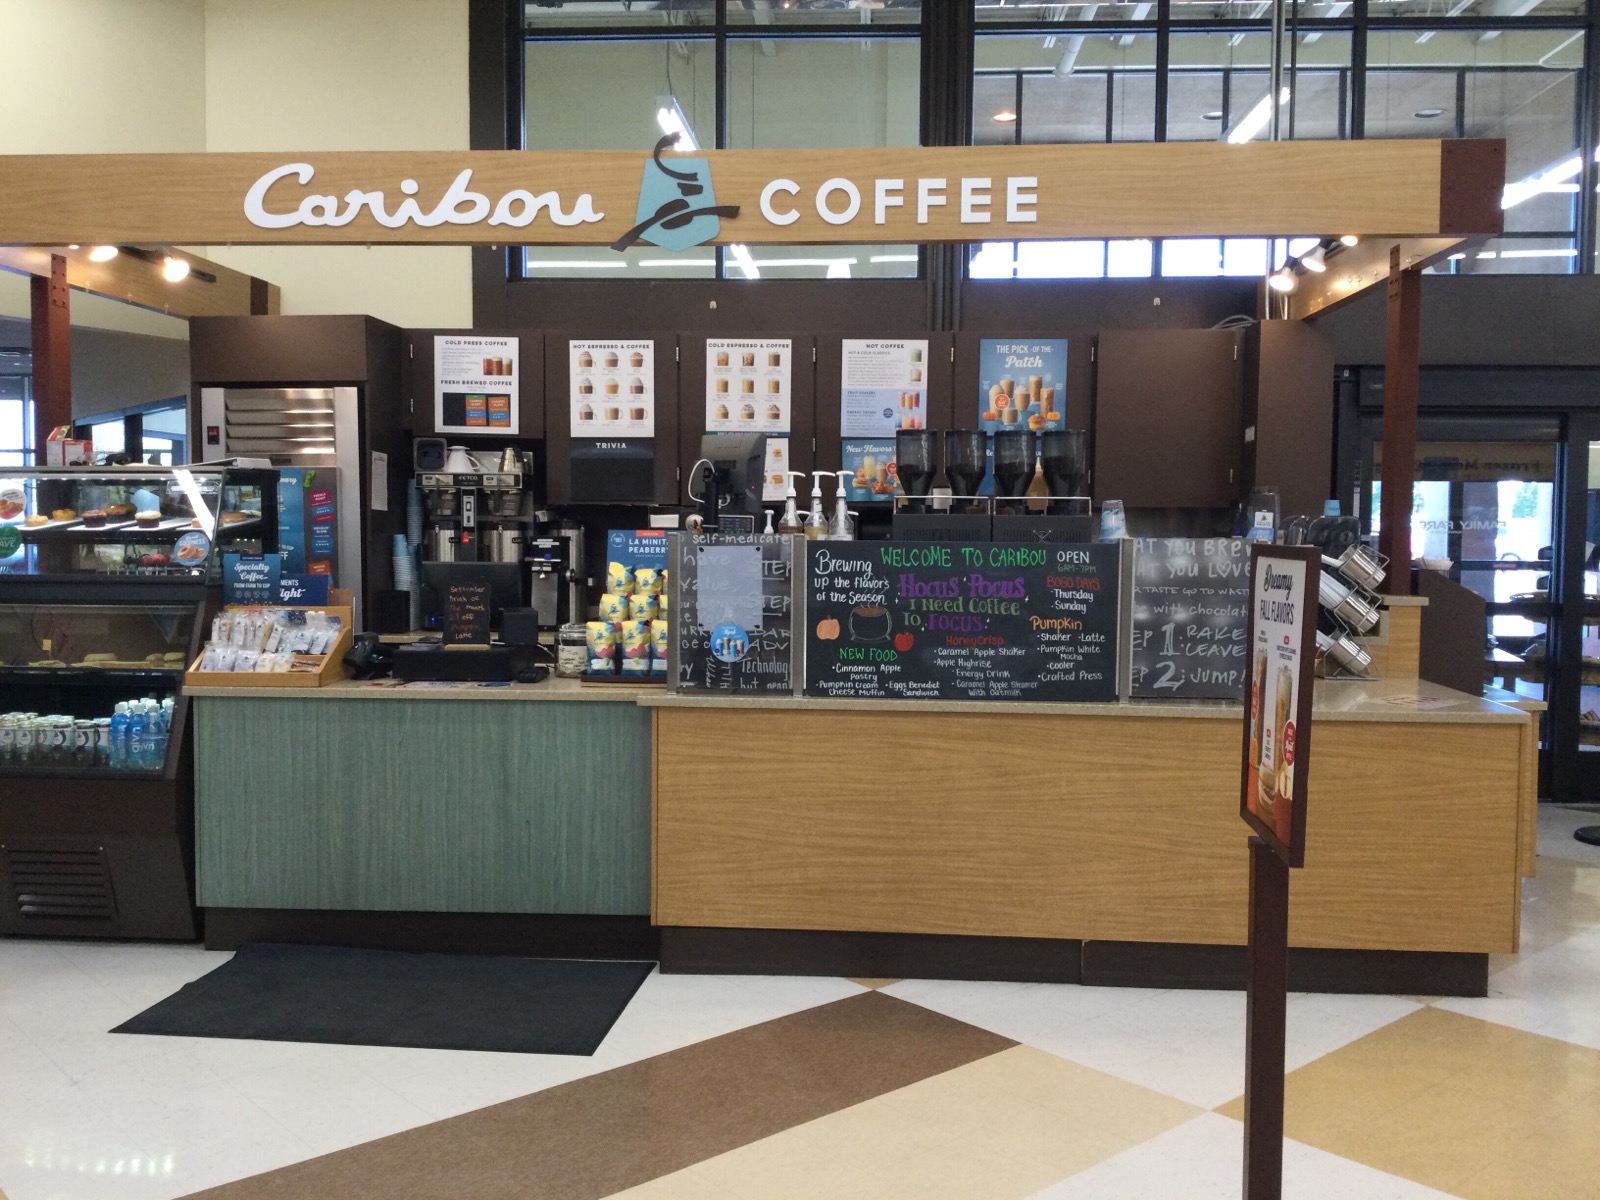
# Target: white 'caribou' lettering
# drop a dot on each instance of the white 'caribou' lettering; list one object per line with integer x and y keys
{"x": 458, "y": 206}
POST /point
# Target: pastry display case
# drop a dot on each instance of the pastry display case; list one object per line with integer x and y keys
{"x": 108, "y": 577}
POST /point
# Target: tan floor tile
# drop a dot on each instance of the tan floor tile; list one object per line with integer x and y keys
{"x": 1458, "y": 1104}
{"x": 874, "y": 984}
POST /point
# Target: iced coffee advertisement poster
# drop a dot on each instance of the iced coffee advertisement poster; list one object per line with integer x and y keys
{"x": 883, "y": 388}
{"x": 869, "y": 470}
{"x": 747, "y": 386}
{"x": 475, "y": 385}
{"x": 1277, "y": 745}
{"x": 612, "y": 388}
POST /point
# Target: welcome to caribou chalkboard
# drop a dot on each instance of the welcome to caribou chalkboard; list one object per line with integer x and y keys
{"x": 732, "y": 612}
{"x": 961, "y": 621}
{"x": 1189, "y": 602}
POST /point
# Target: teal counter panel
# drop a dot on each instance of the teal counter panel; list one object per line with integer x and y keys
{"x": 423, "y": 806}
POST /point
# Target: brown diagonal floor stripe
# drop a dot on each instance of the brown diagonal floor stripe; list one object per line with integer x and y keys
{"x": 599, "y": 1135}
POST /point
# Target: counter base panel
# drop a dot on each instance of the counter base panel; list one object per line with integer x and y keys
{"x": 544, "y": 936}
{"x": 709, "y": 951}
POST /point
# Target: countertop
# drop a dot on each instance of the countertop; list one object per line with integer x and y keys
{"x": 553, "y": 688}
{"x": 1383, "y": 700}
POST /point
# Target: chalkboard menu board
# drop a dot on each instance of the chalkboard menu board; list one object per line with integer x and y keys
{"x": 732, "y": 612}
{"x": 962, "y": 621}
{"x": 1189, "y": 602}
{"x": 466, "y": 614}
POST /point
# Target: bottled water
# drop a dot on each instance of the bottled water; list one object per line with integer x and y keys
{"x": 119, "y": 735}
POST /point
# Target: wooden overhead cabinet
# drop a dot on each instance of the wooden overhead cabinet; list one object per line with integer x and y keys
{"x": 1167, "y": 418}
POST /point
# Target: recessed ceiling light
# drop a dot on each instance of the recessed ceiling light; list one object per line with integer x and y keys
{"x": 1428, "y": 114}
{"x": 1211, "y": 116}
{"x": 1005, "y": 116}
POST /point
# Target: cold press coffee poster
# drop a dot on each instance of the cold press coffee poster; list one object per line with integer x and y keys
{"x": 612, "y": 389}
{"x": 747, "y": 386}
{"x": 1277, "y": 745}
{"x": 475, "y": 385}
{"x": 1021, "y": 385}
{"x": 883, "y": 388}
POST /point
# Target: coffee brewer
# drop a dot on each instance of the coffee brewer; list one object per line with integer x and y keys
{"x": 474, "y": 504}
{"x": 558, "y": 583}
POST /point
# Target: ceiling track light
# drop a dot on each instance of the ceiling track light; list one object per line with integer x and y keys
{"x": 174, "y": 269}
{"x": 1349, "y": 239}
{"x": 101, "y": 254}
{"x": 1283, "y": 280}
{"x": 1315, "y": 259}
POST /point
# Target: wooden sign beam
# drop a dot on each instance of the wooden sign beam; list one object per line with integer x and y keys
{"x": 211, "y": 289}
{"x": 937, "y": 194}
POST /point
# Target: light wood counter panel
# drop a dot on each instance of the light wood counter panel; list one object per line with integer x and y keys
{"x": 1098, "y": 827}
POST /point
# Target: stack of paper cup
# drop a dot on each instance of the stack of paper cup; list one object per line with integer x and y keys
{"x": 406, "y": 577}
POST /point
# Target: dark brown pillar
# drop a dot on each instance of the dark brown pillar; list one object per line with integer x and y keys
{"x": 52, "y": 354}
{"x": 1400, "y": 422}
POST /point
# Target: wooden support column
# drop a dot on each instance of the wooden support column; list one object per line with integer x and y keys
{"x": 1400, "y": 380}
{"x": 52, "y": 353}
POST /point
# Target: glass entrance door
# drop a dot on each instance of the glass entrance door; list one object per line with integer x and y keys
{"x": 1585, "y": 776}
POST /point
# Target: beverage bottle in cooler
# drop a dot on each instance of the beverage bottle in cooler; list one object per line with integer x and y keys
{"x": 136, "y": 735}
{"x": 119, "y": 735}
{"x": 158, "y": 755}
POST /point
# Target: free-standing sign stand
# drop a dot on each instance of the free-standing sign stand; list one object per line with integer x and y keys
{"x": 1281, "y": 637}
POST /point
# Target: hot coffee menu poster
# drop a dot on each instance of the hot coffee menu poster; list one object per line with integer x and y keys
{"x": 962, "y": 621}
{"x": 883, "y": 388}
{"x": 612, "y": 389}
{"x": 747, "y": 386}
{"x": 475, "y": 385}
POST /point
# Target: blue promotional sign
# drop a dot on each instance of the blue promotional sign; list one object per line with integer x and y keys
{"x": 251, "y": 578}
{"x": 1022, "y": 384}
{"x": 637, "y": 548}
{"x": 292, "y": 483}
{"x": 303, "y": 591}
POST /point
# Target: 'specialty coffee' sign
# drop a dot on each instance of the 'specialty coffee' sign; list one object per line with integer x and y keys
{"x": 962, "y": 621}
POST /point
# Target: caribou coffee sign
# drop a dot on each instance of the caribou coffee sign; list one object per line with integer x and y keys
{"x": 615, "y": 198}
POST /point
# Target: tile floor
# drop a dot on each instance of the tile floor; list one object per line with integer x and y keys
{"x": 1105, "y": 1093}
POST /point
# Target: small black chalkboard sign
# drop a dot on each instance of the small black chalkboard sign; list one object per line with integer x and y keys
{"x": 1189, "y": 602}
{"x": 466, "y": 614}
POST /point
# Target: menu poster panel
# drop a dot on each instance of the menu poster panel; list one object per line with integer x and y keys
{"x": 869, "y": 468}
{"x": 732, "y": 605}
{"x": 775, "y": 471}
{"x": 883, "y": 388}
{"x": 962, "y": 621}
{"x": 747, "y": 386}
{"x": 475, "y": 385}
{"x": 1189, "y": 602}
{"x": 612, "y": 389}
{"x": 1281, "y": 634}
{"x": 1022, "y": 384}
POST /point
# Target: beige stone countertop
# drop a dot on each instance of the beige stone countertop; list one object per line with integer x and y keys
{"x": 1381, "y": 700}
{"x": 553, "y": 688}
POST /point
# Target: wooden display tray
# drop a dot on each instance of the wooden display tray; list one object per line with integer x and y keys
{"x": 333, "y": 668}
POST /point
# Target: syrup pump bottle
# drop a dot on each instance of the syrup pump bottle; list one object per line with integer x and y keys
{"x": 841, "y": 528}
{"x": 790, "y": 522}
{"x": 816, "y": 523}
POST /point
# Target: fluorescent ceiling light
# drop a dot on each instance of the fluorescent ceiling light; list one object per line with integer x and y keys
{"x": 677, "y": 262}
{"x": 174, "y": 270}
{"x": 803, "y": 262}
{"x": 1005, "y": 116}
{"x": 1550, "y": 179}
{"x": 103, "y": 253}
{"x": 1257, "y": 119}
{"x": 741, "y": 255}
{"x": 839, "y": 270}
{"x": 1538, "y": 254}
{"x": 558, "y": 265}
{"x": 889, "y": 258}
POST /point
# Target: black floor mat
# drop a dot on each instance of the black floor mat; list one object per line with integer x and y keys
{"x": 386, "y": 998}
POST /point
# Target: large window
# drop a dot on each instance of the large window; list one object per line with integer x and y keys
{"x": 602, "y": 76}
{"x": 16, "y": 408}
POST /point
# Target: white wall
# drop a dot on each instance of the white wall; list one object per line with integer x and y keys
{"x": 223, "y": 75}
{"x": 352, "y": 75}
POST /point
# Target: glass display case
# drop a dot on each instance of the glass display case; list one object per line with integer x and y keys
{"x": 133, "y": 523}
{"x": 108, "y": 576}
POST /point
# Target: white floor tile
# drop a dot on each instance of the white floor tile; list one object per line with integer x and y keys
{"x": 1202, "y": 1159}
{"x": 1556, "y": 824}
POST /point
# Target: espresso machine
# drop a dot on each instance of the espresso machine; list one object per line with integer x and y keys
{"x": 475, "y": 504}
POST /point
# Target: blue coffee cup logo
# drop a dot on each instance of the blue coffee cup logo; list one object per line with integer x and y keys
{"x": 678, "y": 209}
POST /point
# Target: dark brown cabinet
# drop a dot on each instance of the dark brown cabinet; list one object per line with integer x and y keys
{"x": 1288, "y": 413}
{"x": 1167, "y": 427}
